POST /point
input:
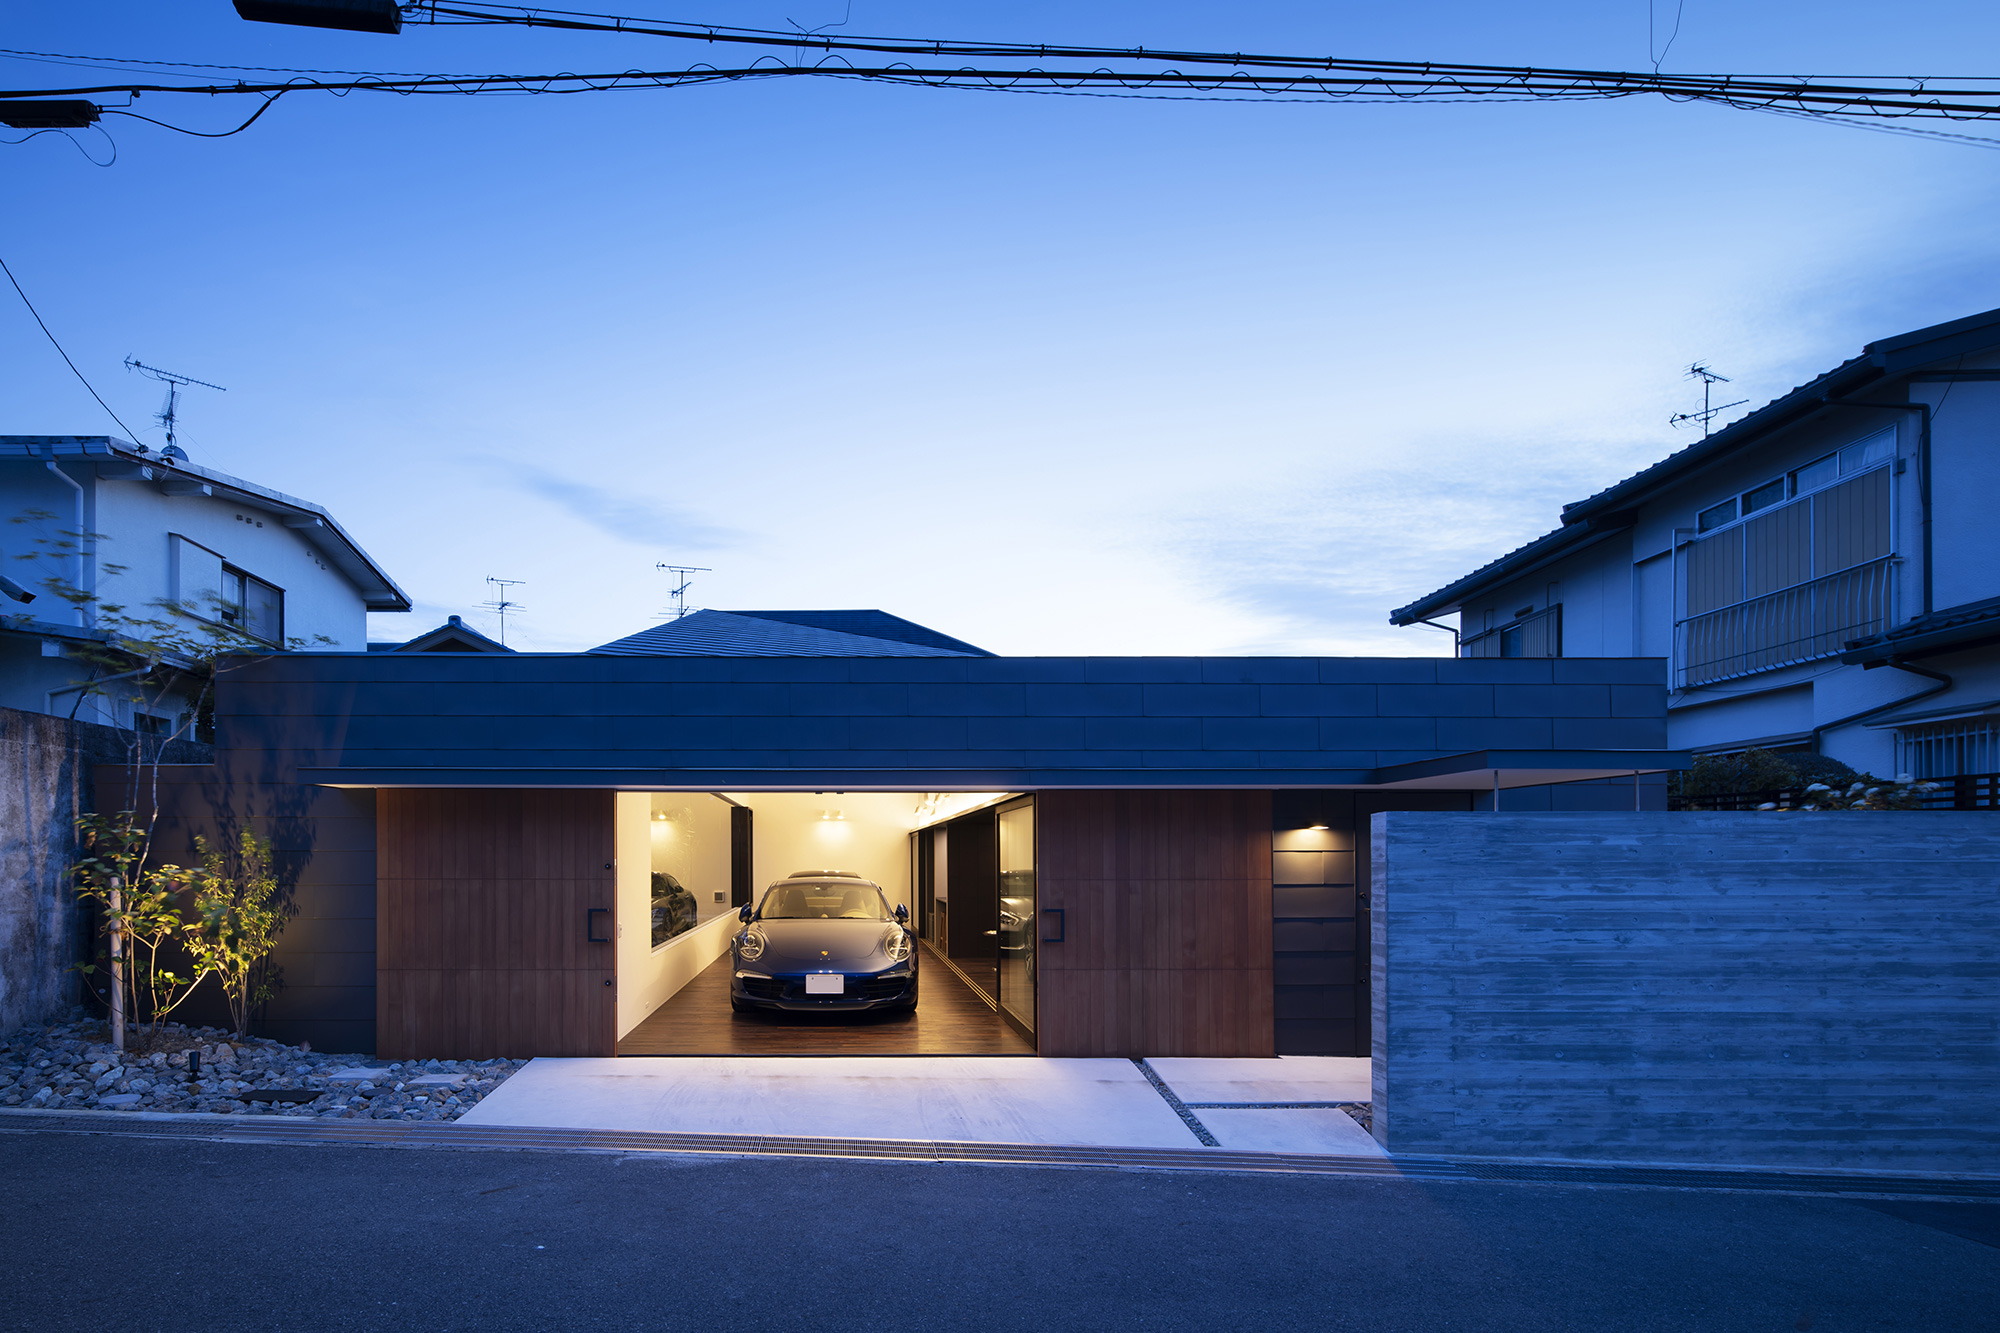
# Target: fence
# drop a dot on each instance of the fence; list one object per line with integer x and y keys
{"x": 1966, "y": 791}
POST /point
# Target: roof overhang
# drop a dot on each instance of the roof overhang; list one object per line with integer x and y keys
{"x": 1480, "y": 770}
{"x": 1883, "y": 650}
{"x": 1483, "y": 770}
{"x": 119, "y": 460}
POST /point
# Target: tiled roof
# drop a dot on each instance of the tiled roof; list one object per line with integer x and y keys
{"x": 1955, "y": 626}
{"x": 759, "y": 634}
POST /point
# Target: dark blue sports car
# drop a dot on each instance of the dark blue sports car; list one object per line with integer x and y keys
{"x": 823, "y": 941}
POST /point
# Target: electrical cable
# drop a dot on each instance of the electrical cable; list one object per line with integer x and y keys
{"x": 201, "y": 134}
{"x": 130, "y": 434}
{"x": 1361, "y": 85}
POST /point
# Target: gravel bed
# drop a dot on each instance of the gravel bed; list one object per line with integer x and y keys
{"x": 71, "y": 1067}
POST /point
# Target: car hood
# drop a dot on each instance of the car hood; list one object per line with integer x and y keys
{"x": 796, "y": 946}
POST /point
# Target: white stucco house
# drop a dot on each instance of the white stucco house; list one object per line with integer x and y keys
{"x": 1823, "y": 574}
{"x": 275, "y": 569}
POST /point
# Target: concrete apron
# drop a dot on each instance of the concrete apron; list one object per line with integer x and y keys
{"x": 1274, "y": 1105}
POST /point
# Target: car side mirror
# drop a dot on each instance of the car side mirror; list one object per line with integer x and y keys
{"x": 902, "y": 914}
{"x": 744, "y": 912}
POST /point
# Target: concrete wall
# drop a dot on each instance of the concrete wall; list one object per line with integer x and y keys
{"x": 47, "y": 778}
{"x": 1818, "y": 990}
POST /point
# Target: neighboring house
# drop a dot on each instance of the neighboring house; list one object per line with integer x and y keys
{"x": 791, "y": 634}
{"x": 1777, "y": 564}
{"x": 276, "y": 570}
{"x": 454, "y": 636}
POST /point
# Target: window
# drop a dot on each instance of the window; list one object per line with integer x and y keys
{"x": 253, "y": 606}
{"x": 1816, "y": 474}
{"x": 151, "y": 724}
{"x": 1710, "y": 519}
{"x": 1770, "y": 493}
{"x": 1531, "y": 634}
{"x": 1949, "y": 749}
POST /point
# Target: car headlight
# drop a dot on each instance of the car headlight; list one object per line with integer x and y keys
{"x": 896, "y": 944}
{"x": 752, "y": 943}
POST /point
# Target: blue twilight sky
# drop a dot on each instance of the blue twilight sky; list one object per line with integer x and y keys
{"x": 1053, "y": 374}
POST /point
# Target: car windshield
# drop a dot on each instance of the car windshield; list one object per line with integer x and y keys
{"x": 824, "y": 902}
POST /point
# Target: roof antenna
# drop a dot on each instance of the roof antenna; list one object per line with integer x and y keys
{"x": 1709, "y": 379}
{"x": 167, "y": 415}
{"x": 679, "y": 592}
{"x": 503, "y": 603}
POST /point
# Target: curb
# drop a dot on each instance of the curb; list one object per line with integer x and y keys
{"x": 305, "y": 1133}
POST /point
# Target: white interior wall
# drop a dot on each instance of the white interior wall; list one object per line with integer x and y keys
{"x": 648, "y": 977}
{"x": 791, "y": 831}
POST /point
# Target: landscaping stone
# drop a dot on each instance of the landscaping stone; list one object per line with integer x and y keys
{"x": 72, "y": 1066}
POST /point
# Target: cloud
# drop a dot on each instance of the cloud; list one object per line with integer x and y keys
{"x": 628, "y": 516}
{"x": 1322, "y": 566}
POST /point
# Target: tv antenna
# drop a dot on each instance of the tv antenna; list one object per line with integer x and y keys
{"x": 679, "y": 592}
{"x": 502, "y": 603}
{"x": 169, "y": 414}
{"x": 1709, "y": 379}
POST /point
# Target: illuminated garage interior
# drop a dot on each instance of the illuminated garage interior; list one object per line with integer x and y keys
{"x": 961, "y": 863}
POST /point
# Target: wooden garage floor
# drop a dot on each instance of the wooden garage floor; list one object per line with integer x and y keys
{"x": 950, "y": 1019}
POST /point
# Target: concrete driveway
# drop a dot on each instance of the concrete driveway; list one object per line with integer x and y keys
{"x": 1275, "y": 1105}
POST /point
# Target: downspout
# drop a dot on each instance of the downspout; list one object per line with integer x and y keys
{"x": 82, "y": 615}
{"x": 1923, "y": 411}
{"x": 1448, "y": 629}
{"x": 1944, "y": 683}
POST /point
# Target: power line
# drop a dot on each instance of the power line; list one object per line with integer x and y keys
{"x": 1365, "y": 81}
{"x": 130, "y": 434}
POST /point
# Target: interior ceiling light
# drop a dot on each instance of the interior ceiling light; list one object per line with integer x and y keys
{"x": 347, "y": 15}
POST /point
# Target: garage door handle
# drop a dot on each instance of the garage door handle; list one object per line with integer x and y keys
{"x": 1061, "y": 925}
{"x": 590, "y": 925}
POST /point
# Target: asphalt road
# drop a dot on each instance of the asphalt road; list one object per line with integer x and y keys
{"x": 127, "y": 1234}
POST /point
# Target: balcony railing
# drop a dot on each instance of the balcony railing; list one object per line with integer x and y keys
{"x": 1802, "y": 623}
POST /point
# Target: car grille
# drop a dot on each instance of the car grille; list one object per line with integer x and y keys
{"x": 858, "y": 988}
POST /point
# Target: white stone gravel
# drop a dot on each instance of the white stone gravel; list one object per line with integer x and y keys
{"x": 71, "y": 1066}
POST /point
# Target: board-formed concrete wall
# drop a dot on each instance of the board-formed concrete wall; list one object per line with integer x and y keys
{"x": 1753, "y": 988}
{"x": 47, "y": 766}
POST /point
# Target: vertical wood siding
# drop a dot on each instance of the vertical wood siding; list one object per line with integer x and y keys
{"x": 1166, "y": 898}
{"x": 482, "y": 907}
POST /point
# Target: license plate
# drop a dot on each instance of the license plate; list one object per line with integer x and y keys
{"x": 826, "y": 983}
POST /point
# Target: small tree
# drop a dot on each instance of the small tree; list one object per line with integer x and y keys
{"x": 237, "y": 919}
{"x": 143, "y": 915}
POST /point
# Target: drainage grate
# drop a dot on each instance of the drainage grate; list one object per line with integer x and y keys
{"x": 1192, "y": 1120}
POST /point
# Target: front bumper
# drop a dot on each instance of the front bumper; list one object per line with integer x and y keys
{"x": 787, "y": 990}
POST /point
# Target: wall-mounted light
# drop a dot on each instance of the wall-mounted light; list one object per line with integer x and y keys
{"x": 1317, "y": 828}
{"x": 831, "y": 815}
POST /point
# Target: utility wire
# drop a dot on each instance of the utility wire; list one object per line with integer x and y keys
{"x": 1373, "y": 81}
{"x": 130, "y": 434}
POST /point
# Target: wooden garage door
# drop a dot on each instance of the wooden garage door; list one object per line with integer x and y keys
{"x": 1166, "y": 911}
{"x": 483, "y": 906}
